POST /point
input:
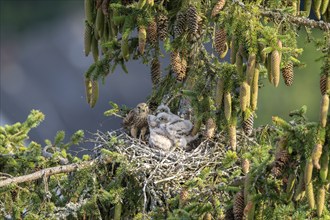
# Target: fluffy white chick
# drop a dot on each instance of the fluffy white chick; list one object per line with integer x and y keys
{"x": 158, "y": 136}
{"x": 164, "y": 108}
{"x": 177, "y": 129}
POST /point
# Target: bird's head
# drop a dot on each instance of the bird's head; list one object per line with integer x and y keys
{"x": 185, "y": 114}
{"x": 163, "y": 118}
{"x": 163, "y": 108}
{"x": 142, "y": 108}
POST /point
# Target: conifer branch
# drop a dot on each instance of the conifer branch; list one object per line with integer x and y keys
{"x": 279, "y": 15}
{"x": 297, "y": 20}
{"x": 53, "y": 171}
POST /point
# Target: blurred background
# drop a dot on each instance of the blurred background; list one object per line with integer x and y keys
{"x": 42, "y": 67}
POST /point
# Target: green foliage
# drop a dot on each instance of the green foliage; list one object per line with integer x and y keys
{"x": 109, "y": 185}
{"x": 13, "y": 136}
{"x": 279, "y": 175}
{"x": 230, "y": 159}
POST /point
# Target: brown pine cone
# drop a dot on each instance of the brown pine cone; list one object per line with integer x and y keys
{"x": 287, "y": 73}
{"x": 218, "y": 7}
{"x": 162, "y": 26}
{"x": 152, "y": 33}
{"x": 192, "y": 19}
{"x": 239, "y": 206}
{"x": 155, "y": 71}
{"x": 220, "y": 41}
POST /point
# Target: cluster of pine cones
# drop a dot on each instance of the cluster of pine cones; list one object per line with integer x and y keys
{"x": 320, "y": 8}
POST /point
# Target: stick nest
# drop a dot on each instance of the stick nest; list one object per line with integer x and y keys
{"x": 163, "y": 174}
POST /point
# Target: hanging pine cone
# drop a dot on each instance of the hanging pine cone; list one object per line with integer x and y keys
{"x": 89, "y": 7}
{"x": 245, "y": 96}
{"x": 320, "y": 199}
{"x": 218, "y": 7}
{"x": 229, "y": 215}
{"x": 142, "y": 39}
{"x": 181, "y": 75}
{"x": 95, "y": 49}
{"x": 200, "y": 31}
{"x": 192, "y": 19}
{"x": 287, "y": 73}
{"x": 239, "y": 206}
{"x": 92, "y": 92}
{"x": 152, "y": 33}
{"x": 324, "y": 110}
{"x": 219, "y": 93}
{"x": 87, "y": 38}
{"x": 250, "y": 67}
{"x": 162, "y": 26}
{"x": 310, "y": 195}
{"x": 232, "y": 137}
{"x": 275, "y": 67}
{"x": 227, "y": 105}
{"x": 180, "y": 24}
{"x": 233, "y": 49}
{"x": 210, "y": 128}
{"x": 280, "y": 46}
{"x": 155, "y": 71}
{"x": 247, "y": 125}
{"x": 323, "y": 84}
{"x": 316, "y": 155}
{"x": 176, "y": 62}
{"x": 220, "y": 41}
{"x": 308, "y": 172}
{"x": 255, "y": 88}
{"x": 245, "y": 166}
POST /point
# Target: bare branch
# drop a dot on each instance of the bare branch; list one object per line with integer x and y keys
{"x": 52, "y": 171}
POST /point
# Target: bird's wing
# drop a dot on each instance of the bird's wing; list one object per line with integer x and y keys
{"x": 159, "y": 139}
{"x": 179, "y": 127}
{"x": 129, "y": 119}
{"x": 174, "y": 118}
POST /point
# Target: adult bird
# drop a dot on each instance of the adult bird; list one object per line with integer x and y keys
{"x": 137, "y": 121}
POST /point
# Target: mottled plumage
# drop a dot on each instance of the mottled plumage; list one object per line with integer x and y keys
{"x": 136, "y": 120}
